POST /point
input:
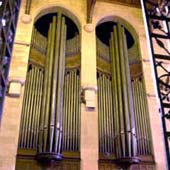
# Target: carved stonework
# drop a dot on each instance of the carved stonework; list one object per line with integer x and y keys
{"x": 89, "y": 28}
{"x": 26, "y": 19}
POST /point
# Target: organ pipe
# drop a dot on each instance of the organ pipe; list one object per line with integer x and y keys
{"x": 30, "y": 110}
{"x": 51, "y": 133}
{"x": 141, "y": 115}
{"x": 124, "y": 115}
{"x": 51, "y": 105}
{"x": 71, "y": 113}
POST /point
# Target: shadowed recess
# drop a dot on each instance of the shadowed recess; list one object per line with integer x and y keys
{"x": 42, "y": 25}
{"x": 103, "y": 32}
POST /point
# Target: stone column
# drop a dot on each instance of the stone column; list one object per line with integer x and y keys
{"x": 10, "y": 123}
{"x": 89, "y": 116}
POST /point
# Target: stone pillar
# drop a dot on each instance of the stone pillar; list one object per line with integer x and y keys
{"x": 10, "y": 123}
{"x": 89, "y": 116}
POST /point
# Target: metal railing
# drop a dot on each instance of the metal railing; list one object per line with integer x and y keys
{"x": 157, "y": 24}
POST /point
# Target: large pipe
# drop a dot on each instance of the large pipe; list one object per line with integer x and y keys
{"x": 44, "y": 114}
{"x": 49, "y": 95}
{"x": 61, "y": 68}
{"x": 119, "y": 93}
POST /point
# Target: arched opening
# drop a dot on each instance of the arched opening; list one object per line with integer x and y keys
{"x": 50, "y": 118}
{"x": 124, "y": 130}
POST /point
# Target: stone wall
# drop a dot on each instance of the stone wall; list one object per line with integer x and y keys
{"x": 89, "y": 121}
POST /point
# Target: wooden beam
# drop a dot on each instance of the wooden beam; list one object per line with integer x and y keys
{"x": 133, "y": 3}
{"x": 28, "y": 7}
{"x": 90, "y": 9}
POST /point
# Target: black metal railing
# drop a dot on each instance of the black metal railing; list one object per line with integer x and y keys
{"x": 9, "y": 10}
{"x": 157, "y": 22}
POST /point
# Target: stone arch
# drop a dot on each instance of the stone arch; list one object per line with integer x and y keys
{"x": 63, "y": 10}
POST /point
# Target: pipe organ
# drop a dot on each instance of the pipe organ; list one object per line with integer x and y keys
{"x": 124, "y": 131}
{"x": 50, "y": 119}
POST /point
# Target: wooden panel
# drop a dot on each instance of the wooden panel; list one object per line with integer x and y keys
{"x": 27, "y": 164}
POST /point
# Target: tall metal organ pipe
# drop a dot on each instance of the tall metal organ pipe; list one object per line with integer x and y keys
{"x": 52, "y": 108}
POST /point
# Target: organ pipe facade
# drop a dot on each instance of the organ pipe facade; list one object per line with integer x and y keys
{"x": 124, "y": 131}
{"x": 50, "y": 122}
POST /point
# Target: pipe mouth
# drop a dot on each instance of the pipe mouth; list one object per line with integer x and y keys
{"x": 49, "y": 156}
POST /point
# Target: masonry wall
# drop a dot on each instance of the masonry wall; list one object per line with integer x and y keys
{"x": 89, "y": 121}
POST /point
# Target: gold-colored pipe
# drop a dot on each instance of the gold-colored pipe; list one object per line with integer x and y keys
{"x": 23, "y": 115}
{"x": 38, "y": 106}
{"x": 29, "y": 74}
{"x": 30, "y": 111}
{"x": 99, "y": 111}
{"x": 147, "y": 116}
{"x": 45, "y": 115}
{"x": 27, "y": 111}
{"x": 35, "y": 96}
{"x": 140, "y": 119}
{"x": 137, "y": 120}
